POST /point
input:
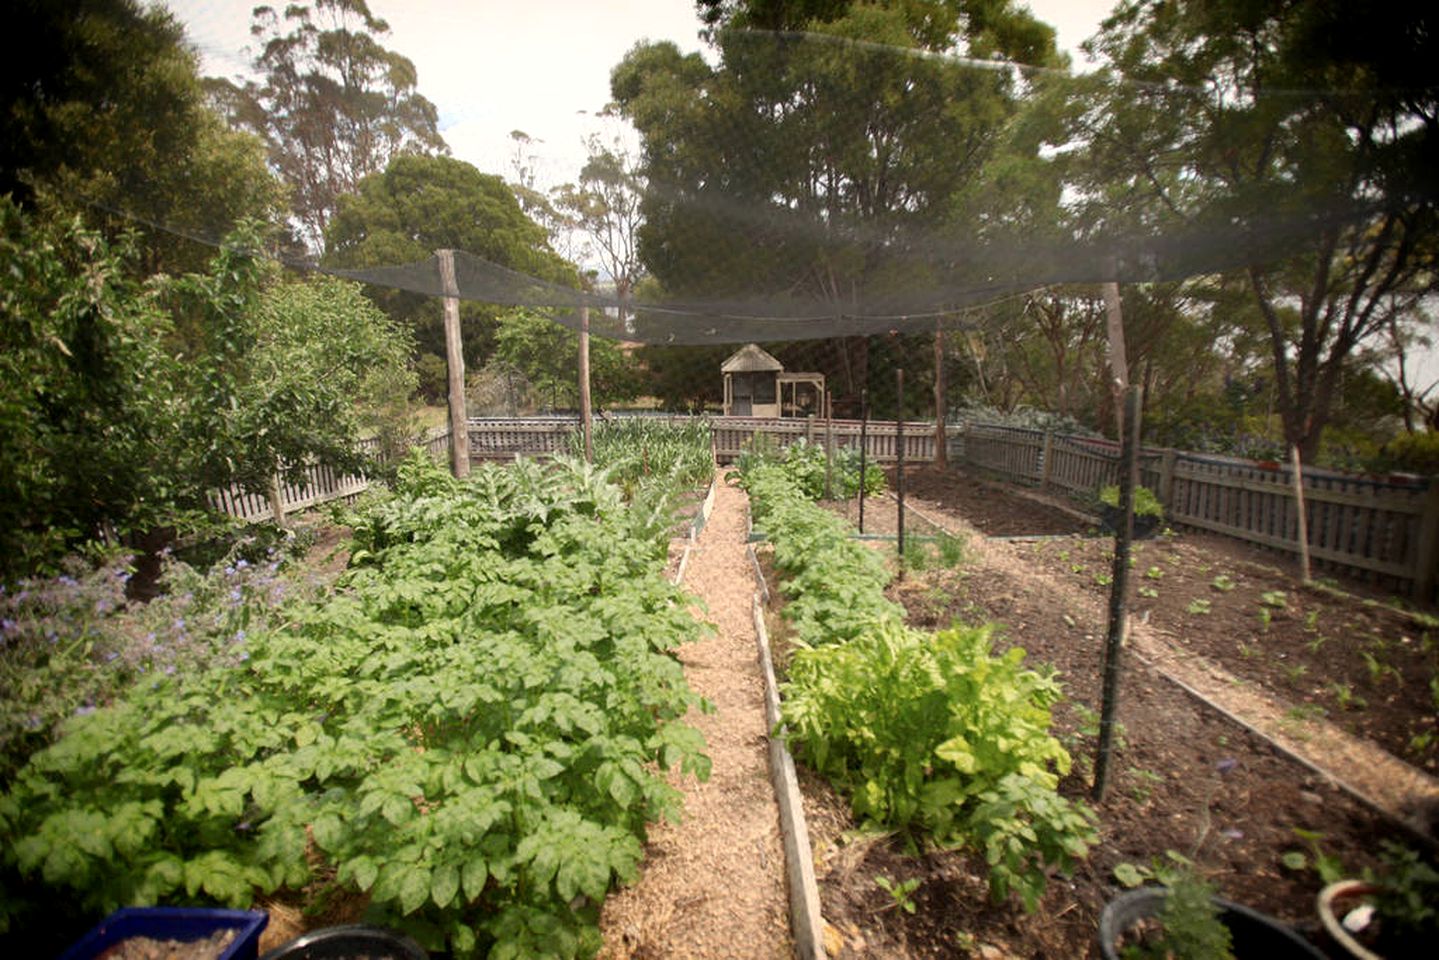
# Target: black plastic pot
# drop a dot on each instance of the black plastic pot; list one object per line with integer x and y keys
{"x": 1254, "y": 934}
{"x": 355, "y": 940}
{"x": 1146, "y": 525}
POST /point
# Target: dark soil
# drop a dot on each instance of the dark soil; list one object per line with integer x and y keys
{"x": 1185, "y": 778}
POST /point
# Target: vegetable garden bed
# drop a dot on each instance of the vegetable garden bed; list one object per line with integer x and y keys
{"x": 1189, "y": 780}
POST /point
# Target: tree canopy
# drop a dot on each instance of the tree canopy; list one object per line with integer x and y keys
{"x": 420, "y": 204}
{"x": 332, "y": 103}
{"x": 105, "y": 112}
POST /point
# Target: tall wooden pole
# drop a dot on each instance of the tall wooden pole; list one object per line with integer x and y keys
{"x": 1297, "y": 469}
{"x": 899, "y": 467}
{"x": 1118, "y": 360}
{"x": 941, "y": 452}
{"x": 455, "y": 363}
{"x": 1118, "y": 591}
{"x": 863, "y": 450}
{"x": 585, "y": 383}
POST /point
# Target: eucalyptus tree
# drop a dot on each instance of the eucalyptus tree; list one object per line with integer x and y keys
{"x": 1305, "y": 134}
{"x": 332, "y": 103}
{"x": 826, "y": 138}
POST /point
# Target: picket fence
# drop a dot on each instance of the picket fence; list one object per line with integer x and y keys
{"x": 1383, "y": 528}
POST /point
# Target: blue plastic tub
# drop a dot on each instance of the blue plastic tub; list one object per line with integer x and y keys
{"x": 173, "y": 923}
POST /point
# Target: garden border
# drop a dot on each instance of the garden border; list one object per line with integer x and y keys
{"x": 806, "y": 921}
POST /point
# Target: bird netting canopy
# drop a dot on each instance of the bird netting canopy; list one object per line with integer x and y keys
{"x": 807, "y": 185}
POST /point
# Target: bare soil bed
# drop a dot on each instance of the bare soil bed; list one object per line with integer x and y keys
{"x": 1186, "y": 779}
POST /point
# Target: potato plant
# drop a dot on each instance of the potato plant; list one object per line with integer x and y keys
{"x": 470, "y": 731}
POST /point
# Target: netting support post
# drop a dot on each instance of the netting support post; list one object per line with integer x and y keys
{"x": 828, "y": 449}
{"x": 863, "y": 450}
{"x": 1118, "y": 591}
{"x": 899, "y": 466}
{"x": 455, "y": 365}
{"x": 941, "y": 453}
{"x": 1302, "y": 531}
{"x": 585, "y": 424}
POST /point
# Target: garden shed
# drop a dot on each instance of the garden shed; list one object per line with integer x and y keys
{"x": 756, "y": 385}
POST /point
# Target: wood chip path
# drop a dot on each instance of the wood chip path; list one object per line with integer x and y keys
{"x": 713, "y": 885}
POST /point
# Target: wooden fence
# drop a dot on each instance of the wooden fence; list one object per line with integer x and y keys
{"x": 1384, "y": 528}
{"x": 322, "y": 484}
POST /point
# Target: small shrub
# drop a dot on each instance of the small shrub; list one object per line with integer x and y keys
{"x": 1146, "y": 504}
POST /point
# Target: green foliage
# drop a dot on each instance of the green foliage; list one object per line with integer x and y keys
{"x": 1190, "y": 928}
{"x": 472, "y": 730}
{"x": 418, "y": 204}
{"x": 1407, "y": 898}
{"x": 125, "y": 404}
{"x": 833, "y": 585}
{"x": 804, "y": 464}
{"x": 899, "y": 892}
{"x": 106, "y": 107}
{"x": 635, "y": 450}
{"x": 938, "y": 735}
{"x": 1146, "y": 504}
{"x": 331, "y": 102}
{"x": 1410, "y": 453}
{"x": 933, "y": 735}
{"x": 547, "y": 355}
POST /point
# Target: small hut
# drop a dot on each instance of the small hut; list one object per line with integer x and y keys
{"x": 755, "y": 385}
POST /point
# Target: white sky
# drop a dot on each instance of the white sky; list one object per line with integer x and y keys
{"x": 493, "y": 66}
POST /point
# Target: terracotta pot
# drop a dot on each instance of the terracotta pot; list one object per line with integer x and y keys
{"x": 1332, "y": 909}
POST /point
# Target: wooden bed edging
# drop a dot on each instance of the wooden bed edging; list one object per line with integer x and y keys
{"x": 805, "y": 920}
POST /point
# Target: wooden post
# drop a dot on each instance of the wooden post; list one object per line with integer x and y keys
{"x": 863, "y": 450}
{"x": 1118, "y": 361}
{"x": 585, "y": 383}
{"x": 828, "y": 452}
{"x": 455, "y": 363}
{"x": 941, "y": 454}
{"x": 1297, "y": 469}
{"x": 899, "y": 466}
{"x": 1114, "y": 639}
{"x": 1426, "y": 572}
{"x": 1166, "y": 478}
{"x": 1046, "y": 467}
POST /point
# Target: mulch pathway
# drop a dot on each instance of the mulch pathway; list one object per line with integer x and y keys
{"x": 713, "y": 886}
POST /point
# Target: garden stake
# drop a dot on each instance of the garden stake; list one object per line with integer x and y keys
{"x": 863, "y": 449}
{"x": 1302, "y": 533}
{"x": 828, "y": 450}
{"x": 1114, "y": 639}
{"x": 899, "y": 468}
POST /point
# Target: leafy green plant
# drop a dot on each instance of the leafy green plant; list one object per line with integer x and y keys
{"x": 1155, "y": 572}
{"x": 1407, "y": 897}
{"x": 1328, "y": 867}
{"x": 1189, "y": 926}
{"x": 1223, "y": 583}
{"x": 900, "y": 893}
{"x": 1199, "y": 606}
{"x": 1146, "y": 504}
{"x": 1275, "y": 599}
{"x": 1147, "y": 591}
{"x": 472, "y": 730}
{"x": 938, "y": 735}
{"x": 952, "y": 549}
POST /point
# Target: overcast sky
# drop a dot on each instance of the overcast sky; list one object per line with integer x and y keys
{"x": 541, "y": 66}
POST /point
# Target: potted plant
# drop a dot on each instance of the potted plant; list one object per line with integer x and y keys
{"x": 184, "y": 924}
{"x": 1148, "y": 511}
{"x": 1389, "y": 914}
{"x": 1185, "y": 921}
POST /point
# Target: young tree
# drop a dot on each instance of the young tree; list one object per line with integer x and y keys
{"x": 333, "y": 104}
